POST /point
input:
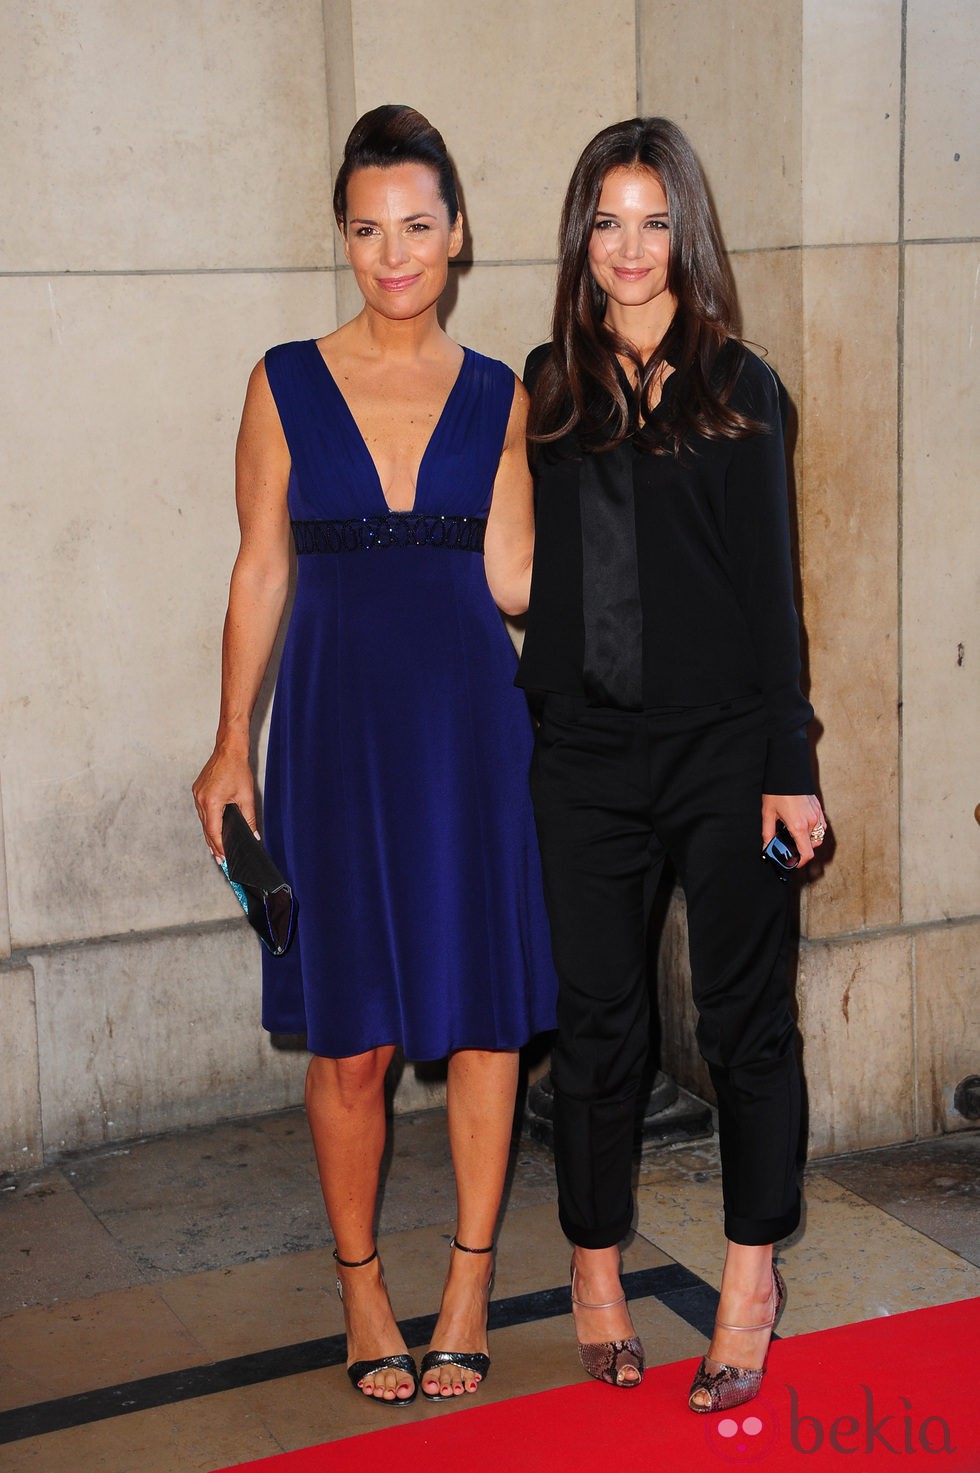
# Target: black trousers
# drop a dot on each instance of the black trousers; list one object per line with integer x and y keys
{"x": 614, "y": 793}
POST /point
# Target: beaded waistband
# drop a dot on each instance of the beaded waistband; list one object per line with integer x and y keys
{"x": 397, "y": 529}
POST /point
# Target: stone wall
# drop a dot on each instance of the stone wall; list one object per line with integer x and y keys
{"x": 167, "y": 217}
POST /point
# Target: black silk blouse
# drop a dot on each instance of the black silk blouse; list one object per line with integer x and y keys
{"x": 667, "y": 582}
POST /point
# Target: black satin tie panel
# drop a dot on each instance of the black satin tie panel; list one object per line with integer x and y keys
{"x": 613, "y": 659}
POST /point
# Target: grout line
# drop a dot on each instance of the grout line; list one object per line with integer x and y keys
{"x": 917, "y": 1123}
{"x": 900, "y": 454}
{"x": 339, "y": 269}
{"x": 470, "y": 261}
{"x": 638, "y": 52}
{"x": 680, "y": 1290}
{"x": 917, "y": 240}
{"x": 21, "y": 956}
{"x": 463, "y": 263}
{"x": 906, "y": 929}
{"x": 850, "y": 245}
{"x": 66, "y": 271}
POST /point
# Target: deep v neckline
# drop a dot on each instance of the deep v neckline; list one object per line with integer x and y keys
{"x": 391, "y": 510}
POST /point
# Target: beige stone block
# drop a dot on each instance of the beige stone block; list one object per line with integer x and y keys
{"x": 165, "y": 136}
{"x": 144, "y": 1035}
{"x": 729, "y": 73}
{"x": 770, "y": 296}
{"x": 940, "y": 538}
{"x": 856, "y": 1019}
{"x": 852, "y": 72}
{"x": 502, "y": 311}
{"x": 947, "y": 1020}
{"x": 852, "y": 1261}
{"x": 21, "y": 1142}
{"x": 219, "y": 1431}
{"x": 61, "y": 1348}
{"x": 341, "y": 103}
{"x": 942, "y": 119}
{"x": 153, "y": 1033}
{"x": 516, "y": 90}
{"x": 349, "y": 299}
{"x": 848, "y": 510}
{"x": 119, "y": 535}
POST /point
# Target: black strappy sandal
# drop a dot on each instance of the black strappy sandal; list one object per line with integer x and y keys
{"x": 474, "y": 1361}
{"x": 362, "y": 1368}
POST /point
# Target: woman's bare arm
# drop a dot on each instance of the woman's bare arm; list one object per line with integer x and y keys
{"x": 257, "y": 596}
{"x": 509, "y": 544}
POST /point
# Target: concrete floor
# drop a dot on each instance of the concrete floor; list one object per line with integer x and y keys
{"x": 168, "y": 1305}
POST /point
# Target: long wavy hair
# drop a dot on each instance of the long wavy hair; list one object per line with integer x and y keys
{"x": 579, "y": 387}
{"x": 389, "y": 135}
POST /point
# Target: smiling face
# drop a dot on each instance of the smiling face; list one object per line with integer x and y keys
{"x": 629, "y": 249}
{"x": 399, "y": 238}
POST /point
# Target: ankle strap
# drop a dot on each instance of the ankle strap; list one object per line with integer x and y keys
{"x": 748, "y": 1329}
{"x": 455, "y": 1243}
{"x": 584, "y": 1303}
{"x": 355, "y": 1263}
{"x": 777, "y": 1293}
{"x": 607, "y": 1304}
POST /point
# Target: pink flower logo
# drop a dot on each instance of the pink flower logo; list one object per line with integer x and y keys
{"x": 745, "y": 1434}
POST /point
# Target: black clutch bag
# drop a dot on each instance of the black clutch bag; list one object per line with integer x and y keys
{"x": 265, "y": 897}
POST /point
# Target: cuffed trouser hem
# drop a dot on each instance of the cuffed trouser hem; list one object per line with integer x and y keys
{"x": 594, "y": 1237}
{"x": 756, "y": 1232}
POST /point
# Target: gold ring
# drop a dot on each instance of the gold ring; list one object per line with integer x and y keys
{"x": 817, "y": 833}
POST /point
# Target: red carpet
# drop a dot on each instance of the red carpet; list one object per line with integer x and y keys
{"x": 898, "y": 1392}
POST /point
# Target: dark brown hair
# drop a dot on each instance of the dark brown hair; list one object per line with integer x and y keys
{"x": 389, "y": 135}
{"x": 579, "y": 387}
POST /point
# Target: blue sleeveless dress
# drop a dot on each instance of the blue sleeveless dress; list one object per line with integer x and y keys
{"x": 396, "y": 796}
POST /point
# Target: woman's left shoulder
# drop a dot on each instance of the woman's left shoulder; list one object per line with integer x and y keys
{"x": 491, "y": 377}
{"x": 756, "y": 387}
{"x": 491, "y": 368}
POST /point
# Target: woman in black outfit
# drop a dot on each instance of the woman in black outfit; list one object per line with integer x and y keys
{"x": 662, "y": 653}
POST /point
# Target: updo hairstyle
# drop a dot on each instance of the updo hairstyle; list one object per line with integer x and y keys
{"x": 389, "y": 135}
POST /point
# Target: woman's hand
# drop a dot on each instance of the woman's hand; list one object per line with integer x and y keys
{"x": 226, "y": 777}
{"x": 802, "y": 815}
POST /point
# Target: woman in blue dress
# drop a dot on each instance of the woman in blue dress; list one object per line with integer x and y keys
{"x": 396, "y": 788}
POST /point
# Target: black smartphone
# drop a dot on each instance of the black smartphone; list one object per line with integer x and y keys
{"x": 782, "y": 851}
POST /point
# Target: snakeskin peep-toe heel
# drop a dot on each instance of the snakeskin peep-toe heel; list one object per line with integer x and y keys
{"x": 727, "y": 1386}
{"x": 610, "y": 1360}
